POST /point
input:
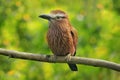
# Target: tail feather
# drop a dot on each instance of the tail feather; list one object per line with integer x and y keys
{"x": 73, "y": 67}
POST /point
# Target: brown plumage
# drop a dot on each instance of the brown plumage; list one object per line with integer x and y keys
{"x": 61, "y": 36}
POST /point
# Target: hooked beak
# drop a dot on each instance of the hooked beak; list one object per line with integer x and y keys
{"x": 45, "y": 16}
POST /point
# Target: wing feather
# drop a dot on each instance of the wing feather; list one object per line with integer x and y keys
{"x": 74, "y": 36}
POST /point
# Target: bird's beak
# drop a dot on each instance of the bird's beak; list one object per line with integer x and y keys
{"x": 45, "y": 16}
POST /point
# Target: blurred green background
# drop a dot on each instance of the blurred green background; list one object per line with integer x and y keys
{"x": 98, "y": 25}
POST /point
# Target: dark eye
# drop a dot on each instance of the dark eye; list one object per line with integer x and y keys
{"x": 58, "y": 17}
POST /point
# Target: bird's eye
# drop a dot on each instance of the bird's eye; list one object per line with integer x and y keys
{"x": 58, "y": 17}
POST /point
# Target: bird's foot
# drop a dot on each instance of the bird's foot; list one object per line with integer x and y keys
{"x": 68, "y": 57}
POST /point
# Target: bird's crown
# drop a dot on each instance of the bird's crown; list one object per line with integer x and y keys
{"x": 58, "y": 13}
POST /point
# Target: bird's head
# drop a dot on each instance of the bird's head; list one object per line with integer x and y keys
{"x": 55, "y": 16}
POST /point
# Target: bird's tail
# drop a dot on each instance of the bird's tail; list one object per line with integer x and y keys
{"x": 73, "y": 67}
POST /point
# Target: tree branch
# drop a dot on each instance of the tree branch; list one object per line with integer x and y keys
{"x": 60, "y": 59}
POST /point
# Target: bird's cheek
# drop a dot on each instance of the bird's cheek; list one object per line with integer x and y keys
{"x": 52, "y": 20}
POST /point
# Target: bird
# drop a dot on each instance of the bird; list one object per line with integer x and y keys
{"x": 62, "y": 37}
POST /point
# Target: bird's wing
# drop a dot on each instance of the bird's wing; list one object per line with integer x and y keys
{"x": 74, "y": 36}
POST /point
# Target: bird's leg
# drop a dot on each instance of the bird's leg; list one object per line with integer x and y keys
{"x": 68, "y": 57}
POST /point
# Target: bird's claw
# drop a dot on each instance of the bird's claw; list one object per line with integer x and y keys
{"x": 68, "y": 57}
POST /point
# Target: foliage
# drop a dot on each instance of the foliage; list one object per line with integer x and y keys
{"x": 97, "y": 22}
